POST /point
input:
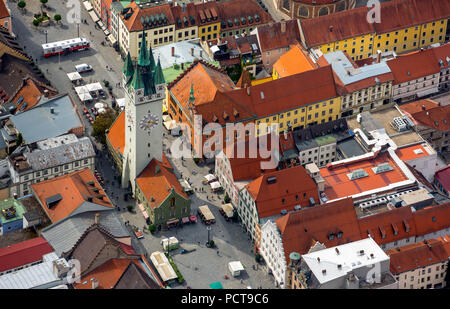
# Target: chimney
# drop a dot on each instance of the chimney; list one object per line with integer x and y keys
{"x": 96, "y": 218}
{"x": 52, "y": 110}
{"x": 339, "y": 266}
{"x": 331, "y": 28}
{"x": 173, "y": 51}
{"x": 378, "y": 56}
{"x": 94, "y": 283}
{"x": 248, "y": 91}
{"x": 283, "y": 26}
{"x": 192, "y": 51}
{"x": 423, "y": 107}
{"x": 46, "y": 93}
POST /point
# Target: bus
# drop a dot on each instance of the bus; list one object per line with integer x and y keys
{"x": 65, "y": 47}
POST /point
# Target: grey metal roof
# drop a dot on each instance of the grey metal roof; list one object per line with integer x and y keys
{"x": 182, "y": 53}
{"x": 63, "y": 235}
{"x": 60, "y": 155}
{"x": 341, "y": 66}
{"x": 40, "y": 123}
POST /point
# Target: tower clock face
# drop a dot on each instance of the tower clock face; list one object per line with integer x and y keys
{"x": 148, "y": 122}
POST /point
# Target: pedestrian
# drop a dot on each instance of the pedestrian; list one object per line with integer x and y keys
{"x": 217, "y": 252}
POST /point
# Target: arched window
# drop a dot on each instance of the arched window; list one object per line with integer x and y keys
{"x": 341, "y": 6}
{"x": 303, "y": 12}
{"x": 287, "y": 4}
{"x": 323, "y": 11}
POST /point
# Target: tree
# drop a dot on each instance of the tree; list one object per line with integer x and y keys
{"x": 227, "y": 199}
{"x": 36, "y": 22}
{"x": 19, "y": 139}
{"x": 102, "y": 123}
{"x": 57, "y": 18}
{"x": 44, "y": 2}
{"x": 22, "y": 5}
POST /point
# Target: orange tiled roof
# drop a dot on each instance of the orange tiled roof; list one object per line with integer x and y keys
{"x": 413, "y": 66}
{"x": 31, "y": 92}
{"x": 432, "y": 219}
{"x": 417, "y": 255}
{"x": 294, "y": 61}
{"x": 270, "y": 36}
{"x": 157, "y": 185}
{"x": 293, "y": 187}
{"x": 437, "y": 118}
{"x": 74, "y": 191}
{"x": 133, "y": 23}
{"x": 116, "y": 134}
{"x": 3, "y": 10}
{"x": 417, "y": 106}
{"x": 407, "y": 153}
{"x": 389, "y": 226}
{"x": 300, "y": 229}
{"x": 338, "y": 184}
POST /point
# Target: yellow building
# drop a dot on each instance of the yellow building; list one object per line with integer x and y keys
{"x": 405, "y": 26}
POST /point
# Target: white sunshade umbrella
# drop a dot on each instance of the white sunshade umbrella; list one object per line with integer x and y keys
{"x": 101, "y": 110}
{"x": 99, "y": 105}
{"x": 121, "y": 102}
{"x": 94, "y": 87}
{"x": 74, "y": 76}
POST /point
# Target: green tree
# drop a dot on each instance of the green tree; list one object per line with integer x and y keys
{"x": 57, "y": 18}
{"x": 36, "y": 22}
{"x": 44, "y": 2}
{"x": 102, "y": 123}
{"x": 19, "y": 139}
{"x": 22, "y": 5}
{"x": 227, "y": 199}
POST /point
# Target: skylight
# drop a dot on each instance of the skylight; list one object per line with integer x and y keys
{"x": 357, "y": 174}
{"x": 384, "y": 167}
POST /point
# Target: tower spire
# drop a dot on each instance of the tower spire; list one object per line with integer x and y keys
{"x": 143, "y": 60}
{"x": 151, "y": 58}
{"x": 158, "y": 76}
{"x": 128, "y": 69}
{"x": 137, "y": 82}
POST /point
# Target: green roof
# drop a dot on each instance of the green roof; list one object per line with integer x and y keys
{"x": 325, "y": 140}
{"x": 137, "y": 82}
{"x": 170, "y": 73}
{"x": 143, "y": 52}
{"x": 11, "y": 204}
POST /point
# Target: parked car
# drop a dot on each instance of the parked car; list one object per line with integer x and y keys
{"x": 81, "y": 68}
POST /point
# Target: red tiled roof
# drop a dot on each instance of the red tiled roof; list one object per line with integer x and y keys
{"x": 400, "y": 14}
{"x": 156, "y": 185}
{"x": 336, "y": 27}
{"x": 23, "y": 253}
{"x": 31, "y": 92}
{"x": 338, "y": 184}
{"x": 116, "y": 134}
{"x": 74, "y": 190}
{"x": 383, "y": 226}
{"x": 3, "y": 10}
{"x": 442, "y": 53}
{"x": 437, "y": 118}
{"x": 133, "y": 23}
{"x": 300, "y": 229}
{"x": 417, "y": 255}
{"x": 417, "y": 106}
{"x": 443, "y": 176}
{"x": 413, "y": 66}
{"x": 230, "y": 10}
{"x": 292, "y": 187}
{"x": 107, "y": 275}
{"x": 270, "y": 36}
{"x": 432, "y": 219}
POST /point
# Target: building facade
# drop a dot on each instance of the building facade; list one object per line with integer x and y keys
{"x": 303, "y": 9}
{"x": 5, "y": 16}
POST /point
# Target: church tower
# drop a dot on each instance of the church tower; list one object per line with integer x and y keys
{"x": 145, "y": 91}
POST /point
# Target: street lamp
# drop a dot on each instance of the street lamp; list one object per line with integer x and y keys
{"x": 78, "y": 28}
{"x": 46, "y": 33}
{"x": 208, "y": 228}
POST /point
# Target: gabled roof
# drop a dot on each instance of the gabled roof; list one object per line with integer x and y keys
{"x": 282, "y": 190}
{"x": 133, "y": 23}
{"x": 437, "y": 118}
{"x": 157, "y": 181}
{"x": 294, "y": 61}
{"x": 270, "y": 36}
{"x": 115, "y": 272}
{"x": 300, "y": 229}
{"x": 417, "y": 106}
{"x": 23, "y": 253}
{"x": 389, "y": 226}
{"x": 116, "y": 134}
{"x": 336, "y": 27}
{"x": 30, "y": 93}
{"x": 443, "y": 176}
{"x": 442, "y": 55}
{"x": 4, "y": 12}
{"x": 419, "y": 255}
{"x": 74, "y": 189}
{"x": 414, "y": 65}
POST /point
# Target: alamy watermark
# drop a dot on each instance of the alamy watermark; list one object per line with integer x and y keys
{"x": 73, "y": 15}
{"x": 374, "y": 14}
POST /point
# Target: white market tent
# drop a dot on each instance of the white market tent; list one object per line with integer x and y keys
{"x": 163, "y": 266}
{"x": 88, "y": 5}
{"x": 73, "y": 76}
{"x": 121, "y": 102}
{"x": 81, "y": 90}
{"x": 84, "y": 97}
{"x": 235, "y": 267}
{"x": 215, "y": 185}
{"x": 94, "y": 87}
{"x": 228, "y": 209}
{"x": 210, "y": 178}
{"x": 94, "y": 16}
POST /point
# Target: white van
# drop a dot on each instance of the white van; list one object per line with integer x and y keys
{"x": 83, "y": 68}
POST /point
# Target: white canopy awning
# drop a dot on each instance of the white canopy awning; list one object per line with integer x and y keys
{"x": 87, "y": 5}
{"x": 74, "y": 76}
{"x": 101, "y": 110}
{"x": 93, "y": 16}
{"x": 81, "y": 90}
{"x": 121, "y": 102}
{"x": 85, "y": 97}
{"x": 112, "y": 39}
{"x": 99, "y": 105}
{"x": 171, "y": 124}
{"x": 210, "y": 177}
{"x": 215, "y": 185}
{"x": 106, "y": 32}
{"x": 215, "y": 49}
{"x": 100, "y": 24}
{"x": 166, "y": 118}
{"x": 94, "y": 87}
